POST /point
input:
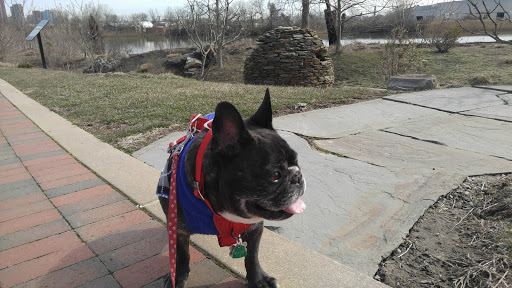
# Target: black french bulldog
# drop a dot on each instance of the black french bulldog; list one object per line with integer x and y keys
{"x": 250, "y": 174}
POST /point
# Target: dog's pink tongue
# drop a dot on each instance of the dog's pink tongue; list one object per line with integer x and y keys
{"x": 296, "y": 208}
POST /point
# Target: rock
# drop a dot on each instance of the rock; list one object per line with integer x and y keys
{"x": 103, "y": 66}
{"x": 192, "y": 63}
{"x": 173, "y": 63}
{"x": 88, "y": 70}
{"x": 412, "y": 82}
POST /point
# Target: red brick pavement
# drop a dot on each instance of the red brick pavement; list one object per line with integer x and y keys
{"x": 85, "y": 234}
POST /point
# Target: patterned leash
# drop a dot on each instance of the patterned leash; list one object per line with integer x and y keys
{"x": 172, "y": 221}
{"x": 196, "y": 124}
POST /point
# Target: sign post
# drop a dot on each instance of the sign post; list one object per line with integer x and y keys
{"x": 35, "y": 33}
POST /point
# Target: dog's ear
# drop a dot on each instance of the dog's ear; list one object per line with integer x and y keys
{"x": 228, "y": 129}
{"x": 263, "y": 116}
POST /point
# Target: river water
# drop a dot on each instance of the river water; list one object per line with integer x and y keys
{"x": 137, "y": 45}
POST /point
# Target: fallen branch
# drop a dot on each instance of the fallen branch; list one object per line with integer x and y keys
{"x": 462, "y": 219}
{"x": 502, "y": 277}
{"x": 410, "y": 245}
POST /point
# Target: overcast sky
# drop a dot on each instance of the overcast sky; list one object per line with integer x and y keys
{"x": 120, "y": 7}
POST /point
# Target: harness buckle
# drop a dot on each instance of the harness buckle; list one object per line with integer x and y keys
{"x": 196, "y": 189}
{"x": 207, "y": 124}
{"x": 192, "y": 125}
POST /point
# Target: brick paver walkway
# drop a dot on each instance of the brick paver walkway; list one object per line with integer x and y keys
{"x": 62, "y": 226}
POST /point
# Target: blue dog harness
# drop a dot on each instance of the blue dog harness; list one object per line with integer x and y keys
{"x": 198, "y": 213}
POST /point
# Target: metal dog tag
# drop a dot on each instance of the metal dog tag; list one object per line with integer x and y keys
{"x": 238, "y": 250}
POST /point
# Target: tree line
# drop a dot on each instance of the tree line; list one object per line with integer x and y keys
{"x": 212, "y": 24}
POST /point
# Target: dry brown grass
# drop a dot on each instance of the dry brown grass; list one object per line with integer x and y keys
{"x": 506, "y": 60}
{"x": 144, "y": 68}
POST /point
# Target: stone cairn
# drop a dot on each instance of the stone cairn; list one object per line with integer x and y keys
{"x": 289, "y": 56}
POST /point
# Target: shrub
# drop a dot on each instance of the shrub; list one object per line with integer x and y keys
{"x": 442, "y": 35}
{"x": 506, "y": 60}
{"x": 25, "y": 64}
{"x": 479, "y": 80}
{"x": 145, "y": 67}
{"x": 401, "y": 55}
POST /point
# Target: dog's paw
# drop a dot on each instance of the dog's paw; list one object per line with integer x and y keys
{"x": 180, "y": 283}
{"x": 265, "y": 282}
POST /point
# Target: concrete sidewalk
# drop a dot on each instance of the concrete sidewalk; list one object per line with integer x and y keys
{"x": 62, "y": 226}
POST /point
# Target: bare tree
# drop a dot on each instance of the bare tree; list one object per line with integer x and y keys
{"x": 273, "y": 14}
{"x": 305, "y": 14}
{"x": 486, "y": 12}
{"x": 401, "y": 12}
{"x": 154, "y": 16}
{"x": 209, "y": 25}
{"x": 346, "y": 10}
{"x": 87, "y": 20}
{"x": 61, "y": 39}
{"x": 8, "y": 36}
{"x": 19, "y": 23}
{"x": 258, "y": 12}
{"x": 136, "y": 18}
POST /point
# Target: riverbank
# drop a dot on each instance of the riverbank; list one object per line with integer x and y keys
{"x": 360, "y": 65}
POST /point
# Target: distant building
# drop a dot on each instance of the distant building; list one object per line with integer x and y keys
{"x": 36, "y": 16}
{"x": 143, "y": 26}
{"x": 17, "y": 13}
{"x": 3, "y": 13}
{"x": 459, "y": 10}
{"x": 47, "y": 15}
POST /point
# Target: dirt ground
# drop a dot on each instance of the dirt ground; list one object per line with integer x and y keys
{"x": 463, "y": 240}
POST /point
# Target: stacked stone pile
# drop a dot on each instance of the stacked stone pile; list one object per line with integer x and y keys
{"x": 289, "y": 56}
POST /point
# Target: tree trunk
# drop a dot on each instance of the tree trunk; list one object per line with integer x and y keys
{"x": 338, "y": 23}
{"x": 330, "y": 23}
{"x": 340, "y": 27}
{"x": 220, "y": 41}
{"x": 305, "y": 14}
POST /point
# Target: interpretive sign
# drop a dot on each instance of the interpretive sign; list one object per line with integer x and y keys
{"x": 36, "y": 30}
{"x": 35, "y": 33}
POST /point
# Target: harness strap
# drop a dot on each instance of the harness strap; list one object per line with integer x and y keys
{"x": 199, "y": 184}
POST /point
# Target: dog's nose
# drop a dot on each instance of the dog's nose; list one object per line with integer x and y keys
{"x": 295, "y": 175}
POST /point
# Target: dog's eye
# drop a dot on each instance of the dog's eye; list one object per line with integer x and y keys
{"x": 275, "y": 176}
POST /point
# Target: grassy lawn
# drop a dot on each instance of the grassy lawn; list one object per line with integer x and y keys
{"x": 114, "y": 106}
{"x": 130, "y": 110}
{"x": 457, "y": 68}
{"x": 464, "y": 63}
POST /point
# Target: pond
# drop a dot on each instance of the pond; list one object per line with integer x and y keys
{"x": 381, "y": 40}
{"x": 142, "y": 44}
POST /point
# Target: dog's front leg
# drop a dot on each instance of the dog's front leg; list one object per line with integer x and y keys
{"x": 182, "y": 259}
{"x": 256, "y": 277}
